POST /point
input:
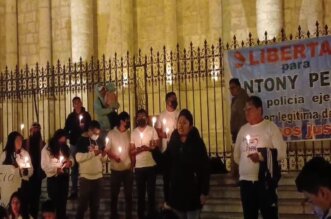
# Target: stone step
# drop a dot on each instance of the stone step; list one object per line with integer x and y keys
{"x": 207, "y": 215}
{"x": 223, "y": 203}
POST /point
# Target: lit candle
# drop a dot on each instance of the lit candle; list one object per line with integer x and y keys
{"x": 153, "y": 121}
{"x": 141, "y": 137}
{"x": 119, "y": 149}
{"x": 26, "y": 159}
{"x": 107, "y": 141}
{"x": 61, "y": 159}
{"x": 80, "y": 118}
{"x": 164, "y": 121}
{"x": 22, "y": 127}
{"x": 167, "y": 131}
{"x": 248, "y": 137}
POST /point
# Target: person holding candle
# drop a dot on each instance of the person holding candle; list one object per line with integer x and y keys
{"x": 187, "y": 165}
{"x": 259, "y": 143}
{"x": 119, "y": 152}
{"x": 56, "y": 161}
{"x": 17, "y": 157}
{"x": 167, "y": 121}
{"x": 76, "y": 123}
{"x": 90, "y": 157}
{"x": 166, "y": 124}
{"x": 34, "y": 145}
{"x": 144, "y": 139}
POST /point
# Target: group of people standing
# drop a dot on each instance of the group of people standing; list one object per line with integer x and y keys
{"x": 171, "y": 145}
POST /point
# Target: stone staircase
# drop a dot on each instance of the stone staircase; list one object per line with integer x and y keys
{"x": 223, "y": 203}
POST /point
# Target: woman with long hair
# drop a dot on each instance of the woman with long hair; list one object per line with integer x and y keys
{"x": 56, "y": 162}
{"x": 16, "y": 207}
{"x": 19, "y": 159}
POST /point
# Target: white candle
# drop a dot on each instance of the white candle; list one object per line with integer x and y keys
{"x": 119, "y": 149}
{"x": 167, "y": 131}
{"x": 26, "y": 159}
{"x": 248, "y": 137}
{"x": 107, "y": 141}
{"x": 153, "y": 121}
{"x": 164, "y": 121}
{"x": 22, "y": 127}
{"x": 80, "y": 118}
{"x": 61, "y": 159}
{"x": 141, "y": 137}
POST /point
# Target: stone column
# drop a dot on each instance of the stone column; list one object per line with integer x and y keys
{"x": 170, "y": 24}
{"x": 81, "y": 29}
{"x": 269, "y": 15}
{"x": 215, "y": 21}
{"x": 310, "y": 12}
{"x": 11, "y": 34}
{"x": 120, "y": 32}
{"x": 45, "y": 47}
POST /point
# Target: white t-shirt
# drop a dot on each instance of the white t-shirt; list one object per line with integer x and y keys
{"x": 144, "y": 159}
{"x": 170, "y": 119}
{"x": 250, "y": 137}
{"x": 119, "y": 144}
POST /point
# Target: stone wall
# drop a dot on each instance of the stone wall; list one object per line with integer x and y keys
{"x": 121, "y": 26}
{"x": 2, "y": 35}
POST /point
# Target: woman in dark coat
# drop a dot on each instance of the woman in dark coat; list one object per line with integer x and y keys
{"x": 188, "y": 168}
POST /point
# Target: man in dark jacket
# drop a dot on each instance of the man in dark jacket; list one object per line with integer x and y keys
{"x": 238, "y": 119}
{"x": 77, "y": 122}
{"x": 314, "y": 181}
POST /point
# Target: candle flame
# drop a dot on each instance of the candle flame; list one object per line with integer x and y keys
{"x": 154, "y": 120}
{"x": 248, "y": 137}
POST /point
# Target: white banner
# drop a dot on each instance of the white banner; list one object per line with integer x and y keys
{"x": 10, "y": 181}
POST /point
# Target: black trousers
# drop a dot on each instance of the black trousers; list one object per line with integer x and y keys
{"x": 146, "y": 180}
{"x": 57, "y": 188}
{"x": 116, "y": 180}
{"x": 34, "y": 194}
{"x": 89, "y": 196}
{"x": 255, "y": 196}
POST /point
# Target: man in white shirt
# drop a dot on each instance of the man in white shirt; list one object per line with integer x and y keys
{"x": 166, "y": 124}
{"x": 119, "y": 151}
{"x": 255, "y": 135}
{"x": 314, "y": 181}
{"x": 144, "y": 139}
{"x": 167, "y": 121}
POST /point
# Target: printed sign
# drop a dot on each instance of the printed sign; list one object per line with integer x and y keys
{"x": 10, "y": 181}
{"x": 293, "y": 80}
